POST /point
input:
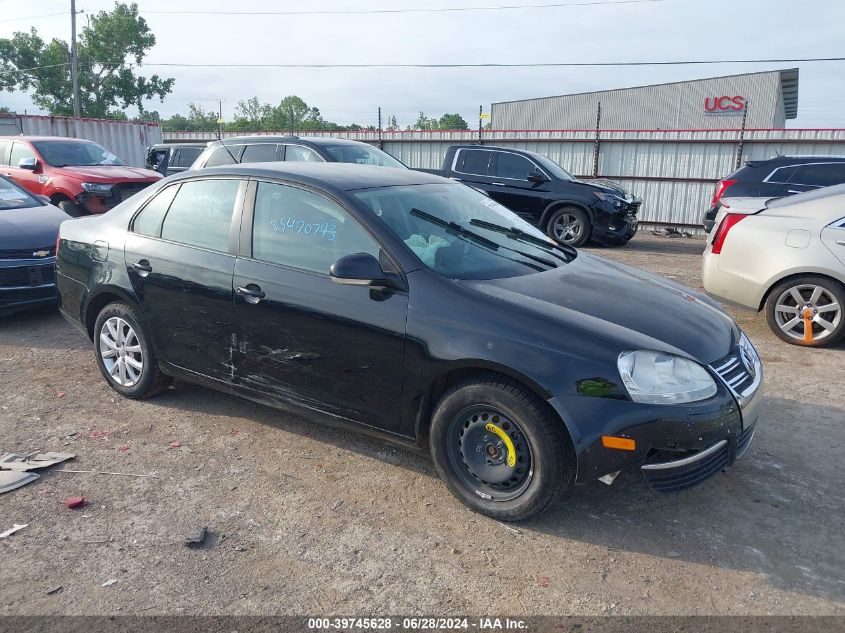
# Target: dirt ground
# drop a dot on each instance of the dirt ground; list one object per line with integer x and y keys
{"x": 308, "y": 520}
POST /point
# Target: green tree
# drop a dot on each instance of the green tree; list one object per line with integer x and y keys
{"x": 108, "y": 48}
{"x": 424, "y": 123}
{"x": 452, "y": 122}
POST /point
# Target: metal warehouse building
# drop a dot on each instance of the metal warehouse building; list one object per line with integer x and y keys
{"x": 706, "y": 104}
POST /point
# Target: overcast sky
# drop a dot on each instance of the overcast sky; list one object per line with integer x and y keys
{"x": 663, "y": 30}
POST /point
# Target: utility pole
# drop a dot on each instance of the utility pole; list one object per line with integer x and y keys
{"x": 480, "y": 123}
{"x": 380, "y": 139}
{"x": 74, "y": 72}
{"x": 597, "y": 146}
{"x": 220, "y": 118}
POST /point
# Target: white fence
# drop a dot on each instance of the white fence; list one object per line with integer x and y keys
{"x": 128, "y": 140}
{"x": 673, "y": 171}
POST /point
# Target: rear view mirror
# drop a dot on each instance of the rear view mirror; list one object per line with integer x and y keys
{"x": 538, "y": 177}
{"x": 28, "y": 163}
{"x": 362, "y": 269}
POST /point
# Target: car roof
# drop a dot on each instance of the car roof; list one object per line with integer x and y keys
{"x": 304, "y": 140}
{"x": 45, "y": 138}
{"x": 339, "y": 176}
{"x": 795, "y": 159}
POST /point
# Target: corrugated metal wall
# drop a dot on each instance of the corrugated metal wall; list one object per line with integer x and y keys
{"x": 128, "y": 140}
{"x": 663, "y": 106}
{"x": 673, "y": 171}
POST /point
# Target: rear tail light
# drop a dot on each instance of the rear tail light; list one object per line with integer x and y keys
{"x": 727, "y": 223}
{"x": 721, "y": 187}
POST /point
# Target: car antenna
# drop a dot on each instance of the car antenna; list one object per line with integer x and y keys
{"x": 228, "y": 151}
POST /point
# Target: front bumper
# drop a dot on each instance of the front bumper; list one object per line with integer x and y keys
{"x": 617, "y": 228}
{"x": 27, "y": 283}
{"x": 677, "y": 446}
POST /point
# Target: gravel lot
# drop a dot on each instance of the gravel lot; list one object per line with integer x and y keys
{"x": 309, "y": 520}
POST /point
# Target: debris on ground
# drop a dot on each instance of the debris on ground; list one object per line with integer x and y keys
{"x": 123, "y": 448}
{"x": 98, "y": 435}
{"x": 175, "y": 444}
{"x": 56, "y": 589}
{"x": 60, "y": 394}
{"x": 11, "y": 479}
{"x": 544, "y": 581}
{"x": 670, "y": 231}
{"x": 74, "y": 503}
{"x": 13, "y": 529}
{"x": 110, "y": 582}
{"x": 13, "y": 461}
{"x": 337, "y": 504}
{"x": 196, "y": 538}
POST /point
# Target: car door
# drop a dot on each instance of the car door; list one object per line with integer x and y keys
{"x": 833, "y": 237}
{"x": 303, "y": 339}
{"x": 182, "y": 159}
{"x": 180, "y": 260}
{"x": 30, "y": 179}
{"x": 511, "y": 187}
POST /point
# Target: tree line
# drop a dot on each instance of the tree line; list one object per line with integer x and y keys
{"x": 110, "y": 47}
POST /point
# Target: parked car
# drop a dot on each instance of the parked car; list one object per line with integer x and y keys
{"x": 78, "y": 176}
{"x": 263, "y": 149}
{"x": 29, "y": 226}
{"x": 543, "y": 193}
{"x": 786, "y": 257}
{"x": 774, "y": 178}
{"x": 419, "y": 310}
{"x": 171, "y": 158}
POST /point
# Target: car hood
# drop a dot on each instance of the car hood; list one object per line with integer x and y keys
{"x": 30, "y": 227}
{"x": 626, "y": 305}
{"x": 110, "y": 173}
{"x": 607, "y": 186}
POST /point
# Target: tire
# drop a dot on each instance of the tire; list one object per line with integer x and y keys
{"x": 785, "y": 313}
{"x": 71, "y": 208}
{"x": 130, "y": 382}
{"x": 569, "y": 225}
{"x": 461, "y": 449}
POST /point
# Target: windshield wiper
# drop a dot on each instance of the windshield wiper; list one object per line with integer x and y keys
{"x": 457, "y": 229}
{"x": 518, "y": 234}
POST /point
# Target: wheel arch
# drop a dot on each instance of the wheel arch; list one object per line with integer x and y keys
{"x": 795, "y": 274}
{"x": 457, "y": 374}
{"x": 100, "y": 299}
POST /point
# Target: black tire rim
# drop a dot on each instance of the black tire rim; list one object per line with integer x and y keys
{"x": 489, "y": 453}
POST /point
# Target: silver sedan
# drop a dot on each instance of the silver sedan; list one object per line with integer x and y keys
{"x": 786, "y": 257}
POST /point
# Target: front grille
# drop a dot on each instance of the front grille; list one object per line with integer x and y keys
{"x": 21, "y": 276}
{"x": 28, "y": 253}
{"x": 127, "y": 190}
{"x": 674, "y": 478}
{"x": 734, "y": 373}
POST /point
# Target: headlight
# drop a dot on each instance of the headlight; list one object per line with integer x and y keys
{"x": 616, "y": 201}
{"x": 660, "y": 378}
{"x": 97, "y": 187}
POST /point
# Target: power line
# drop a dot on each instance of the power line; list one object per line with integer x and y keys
{"x": 512, "y": 7}
{"x": 33, "y": 17}
{"x": 507, "y": 65}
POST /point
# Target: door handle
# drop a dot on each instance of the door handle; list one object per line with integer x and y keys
{"x": 498, "y": 184}
{"x": 840, "y": 242}
{"x": 251, "y": 293}
{"x": 143, "y": 267}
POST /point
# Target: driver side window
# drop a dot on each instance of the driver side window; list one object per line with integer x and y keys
{"x": 300, "y": 229}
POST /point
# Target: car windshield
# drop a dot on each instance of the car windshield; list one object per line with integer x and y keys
{"x": 362, "y": 155}
{"x": 75, "y": 153}
{"x": 13, "y": 197}
{"x": 462, "y": 234}
{"x": 552, "y": 167}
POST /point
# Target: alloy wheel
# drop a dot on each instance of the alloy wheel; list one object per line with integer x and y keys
{"x": 568, "y": 227}
{"x": 807, "y": 312}
{"x": 121, "y": 352}
{"x": 489, "y": 453}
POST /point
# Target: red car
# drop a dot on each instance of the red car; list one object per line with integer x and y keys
{"x": 78, "y": 176}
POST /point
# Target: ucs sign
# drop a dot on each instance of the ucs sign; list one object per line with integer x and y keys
{"x": 724, "y": 106}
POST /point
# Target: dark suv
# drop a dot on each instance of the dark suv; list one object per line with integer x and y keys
{"x": 775, "y": 178}
{"x": 535, "y": 187}
{"x": 264, "y": 149}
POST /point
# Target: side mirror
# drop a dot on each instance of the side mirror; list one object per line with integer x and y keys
{"x": 537, "y": 177}
{"x": 362, "y": 269}
{"x": 28, "y": 163}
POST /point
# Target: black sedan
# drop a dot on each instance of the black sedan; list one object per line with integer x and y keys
{"x": 29, "y": 226}
{"x": 421, "y": 311}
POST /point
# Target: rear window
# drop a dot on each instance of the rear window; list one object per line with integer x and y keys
{"x": 819, "y": 175}
{"x": 259, "y": 153}
{"x": 223, "y": 156}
